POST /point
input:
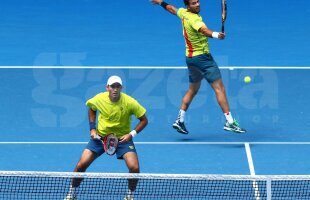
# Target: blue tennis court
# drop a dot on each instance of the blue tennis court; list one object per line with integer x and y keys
{"x": 56, "y": 55}
{"x": 45, "y": 122}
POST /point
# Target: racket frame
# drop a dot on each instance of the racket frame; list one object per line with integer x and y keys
{"x": 224, "y": 14}
{"x": 105, "y": 141}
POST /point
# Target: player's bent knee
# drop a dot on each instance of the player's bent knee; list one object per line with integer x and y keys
{"x": 80, "y": 167}
{"x": 220, "y": 90}
{"x": 134, "y": 169}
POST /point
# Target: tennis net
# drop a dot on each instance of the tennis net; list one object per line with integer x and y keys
{"x": 55, "y": 185}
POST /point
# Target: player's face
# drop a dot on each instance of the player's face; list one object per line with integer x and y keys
{"x": 114, "y": 91}
{"x": 194, "y": 6}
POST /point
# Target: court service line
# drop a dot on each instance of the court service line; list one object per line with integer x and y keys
{"x": 148, "y": 67}
{"x": 170, "y": 143}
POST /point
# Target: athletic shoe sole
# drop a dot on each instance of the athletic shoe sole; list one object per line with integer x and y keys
{"x": 176, "y": 127}
{"x": 233, "y": 130}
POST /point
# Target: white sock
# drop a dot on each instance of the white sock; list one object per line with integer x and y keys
{"x": 229, "y": 117}
{"x": 181, "y": 115}
{"x": 130, "y": 194}
{"x": 72, "y": 192}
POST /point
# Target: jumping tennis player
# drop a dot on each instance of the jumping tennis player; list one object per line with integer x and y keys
{"x": 200, "y": 62}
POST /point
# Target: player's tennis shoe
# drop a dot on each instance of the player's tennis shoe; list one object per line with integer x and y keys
{"x": 234, "y": 127}
{"x": 128, "y": 197}
{"x": 180, "y": 127}
{"x": 70, "y": 198}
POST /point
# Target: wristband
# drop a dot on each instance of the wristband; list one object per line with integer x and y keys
{"x": 92, "y": 125}
{"x": 215, "y": 34}
{"x": 133, "y": 133}
{"x": 164, "y": 4}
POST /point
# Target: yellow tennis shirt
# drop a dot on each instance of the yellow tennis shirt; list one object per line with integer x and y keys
{"x": 196, "y": 42}
{"x": 115, "y": 117}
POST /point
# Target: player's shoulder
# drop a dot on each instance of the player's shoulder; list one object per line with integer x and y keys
{"x": 181, "y": 12}
{"x": 126, "y": 97}
{"x": 129, "y": 100}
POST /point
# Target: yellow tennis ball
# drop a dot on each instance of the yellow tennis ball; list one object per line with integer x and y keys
{"x": 247, "y": 79}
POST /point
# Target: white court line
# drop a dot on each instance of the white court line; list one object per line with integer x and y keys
{"x": 250, "y": 160}
{"x": 173, "y": 143}
{"x": 252, "y": 170}
{"x": 147, "y": 67}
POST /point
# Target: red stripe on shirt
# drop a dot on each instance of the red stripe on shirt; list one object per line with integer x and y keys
{"x": 189, "y": 44}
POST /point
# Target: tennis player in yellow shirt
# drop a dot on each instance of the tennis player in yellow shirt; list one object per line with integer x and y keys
{"x": 200, "y": 62}
{"x": 115, "y": 110}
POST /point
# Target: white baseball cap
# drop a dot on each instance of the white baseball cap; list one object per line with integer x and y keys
{"x": 114, "y": 79}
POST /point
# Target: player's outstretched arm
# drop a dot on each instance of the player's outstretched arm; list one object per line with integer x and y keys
{"x": 209, "y": 33}
{"x": 170, "y": 8}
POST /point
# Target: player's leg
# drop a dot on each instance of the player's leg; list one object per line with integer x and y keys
{"x": 220, "y": 94}
{"x": 86, "y": 159}
{"x": 92, "y": 151}
{"x": 214, "y": 77}
{"x": 127, "y": 151}
{"x": 190, "y": 94}
{"x": 186, "y": 101}
{"x": 195, "y": 77}
{"x": 231, "y": 124}
{"x": 132, "y": 163}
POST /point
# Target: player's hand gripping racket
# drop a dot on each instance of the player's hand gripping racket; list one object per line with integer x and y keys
{"x": 110, "y": 143}
{"x": 224, "y": 14}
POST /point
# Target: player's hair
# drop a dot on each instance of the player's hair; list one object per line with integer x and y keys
{"x": 186, "y": 2}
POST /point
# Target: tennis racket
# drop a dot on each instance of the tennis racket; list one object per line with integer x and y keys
{"x": 224, "y": 14}
{"x": 110, "y": 143}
